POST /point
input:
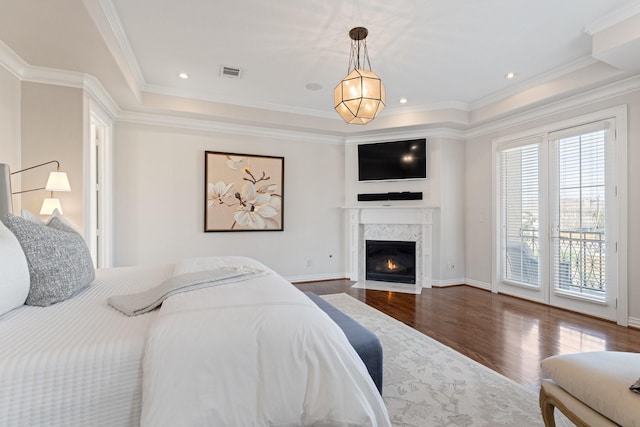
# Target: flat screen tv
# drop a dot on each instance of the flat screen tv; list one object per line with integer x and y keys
{"x": 392, "y": 160}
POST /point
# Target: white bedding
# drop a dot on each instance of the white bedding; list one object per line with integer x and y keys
{"x": 253, "y": 353}
{"x": 79, "y": 362}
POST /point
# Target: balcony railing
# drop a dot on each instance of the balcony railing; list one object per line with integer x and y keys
{"x": 582, "y": 254}
{"x": 580, "y": 260}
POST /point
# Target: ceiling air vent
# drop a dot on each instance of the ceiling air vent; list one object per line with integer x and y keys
{"x": 231, "y": 72}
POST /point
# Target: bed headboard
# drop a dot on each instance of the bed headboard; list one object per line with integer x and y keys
{"x": 5, "y": 191}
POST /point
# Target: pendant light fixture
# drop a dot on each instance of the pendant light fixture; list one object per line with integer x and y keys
{"x": 360, "y": 96}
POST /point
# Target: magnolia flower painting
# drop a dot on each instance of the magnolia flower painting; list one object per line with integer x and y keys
{"x": 244, "y": 192}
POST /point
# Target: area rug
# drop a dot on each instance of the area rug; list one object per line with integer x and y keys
{"x": 427, "y": 384}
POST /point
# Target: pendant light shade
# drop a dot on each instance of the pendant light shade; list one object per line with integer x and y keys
{"x": 360, "y": 96}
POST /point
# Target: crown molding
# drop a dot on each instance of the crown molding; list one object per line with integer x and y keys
{"x": 155, "y": 119}
{"x": 447, "y": 105}
{"x": 416, "y": 133}
{"x": 11, "y": 61}
{"x": 17, "y": 66}
{"x": 622, "y": 87}
{"x": 613, "y": 18}
{"x": 533, "y": 82}
{"x": 329, "y": 114}
{"x": 210, "y": 97}
{"x": 108, "y": 23}
{"x": 73, "y": 79}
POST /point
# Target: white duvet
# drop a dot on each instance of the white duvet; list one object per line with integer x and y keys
{"x": 268, "y": 356}
{"x": 253, "y": 353}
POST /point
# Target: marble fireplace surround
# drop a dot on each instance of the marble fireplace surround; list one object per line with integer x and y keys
{"x": 410, "y": 223}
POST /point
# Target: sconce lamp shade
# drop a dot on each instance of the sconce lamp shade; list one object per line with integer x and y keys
{"x": 359, "y": 97}
{"x": 49, "y": 205}
{"x": 58, "y": 181}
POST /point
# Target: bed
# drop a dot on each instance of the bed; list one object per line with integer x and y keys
{"x": 255, "y": 351}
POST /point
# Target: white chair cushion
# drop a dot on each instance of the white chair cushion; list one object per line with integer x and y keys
{"x": 14, "y": 280}
{"x": 601, "y": 381}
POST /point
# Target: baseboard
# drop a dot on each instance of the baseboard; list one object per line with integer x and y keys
{"x": 316, "y": 277}
{"x": 478, "y": 284}
{"x": 447, "y": 282}
{"x": 634, "y": 322}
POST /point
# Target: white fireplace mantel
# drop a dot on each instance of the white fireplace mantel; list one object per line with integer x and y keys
{"x": 406, "y": 223}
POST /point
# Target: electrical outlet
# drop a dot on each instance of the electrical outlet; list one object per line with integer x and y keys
{"x": 452, "y": 267}
{"x": 309, "y": 263}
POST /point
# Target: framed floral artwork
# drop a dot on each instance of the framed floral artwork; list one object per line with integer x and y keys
{"x": 243, "y": 192}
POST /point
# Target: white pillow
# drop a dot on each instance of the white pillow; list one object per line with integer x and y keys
{"x": 31, "y": 217}
{"x": 14, "y": 281}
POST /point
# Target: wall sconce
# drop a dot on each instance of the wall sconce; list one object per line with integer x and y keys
{"x": 57, "y": 181}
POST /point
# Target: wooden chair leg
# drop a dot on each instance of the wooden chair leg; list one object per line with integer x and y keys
{"x": 547, "y": 406}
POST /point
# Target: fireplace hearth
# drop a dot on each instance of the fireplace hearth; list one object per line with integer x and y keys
{"x": 390, "y": 261}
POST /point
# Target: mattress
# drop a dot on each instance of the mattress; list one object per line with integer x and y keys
{"x": 78, "y": 362}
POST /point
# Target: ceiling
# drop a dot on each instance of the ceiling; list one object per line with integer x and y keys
{"x": 440, "y": 55}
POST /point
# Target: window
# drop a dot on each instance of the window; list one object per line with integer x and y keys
{"x": 519, "y": 184}
{"x": 560, "y": 227}
{"x": 579, "y": 206}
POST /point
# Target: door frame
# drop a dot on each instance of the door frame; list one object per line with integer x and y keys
{"x": 619, "y": 113}
{"x": 102, "y": 208}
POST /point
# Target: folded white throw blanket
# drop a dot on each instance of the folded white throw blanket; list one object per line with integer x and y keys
{"x": 135, "y": 304}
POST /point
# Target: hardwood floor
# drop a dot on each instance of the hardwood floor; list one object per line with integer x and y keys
{"x": 509, "y": 335}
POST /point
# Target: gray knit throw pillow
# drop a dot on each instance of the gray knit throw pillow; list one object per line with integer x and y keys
{"x": 59, "y": 261}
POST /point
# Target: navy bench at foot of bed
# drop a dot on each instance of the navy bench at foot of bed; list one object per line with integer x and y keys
{"x": 365, "y": 342}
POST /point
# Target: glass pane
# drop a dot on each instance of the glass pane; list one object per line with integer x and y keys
{"x": 579, "y": 241}
{"x": 519, "y": 183}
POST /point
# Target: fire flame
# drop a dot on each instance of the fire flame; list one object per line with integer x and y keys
{"x": 391, "y": 265}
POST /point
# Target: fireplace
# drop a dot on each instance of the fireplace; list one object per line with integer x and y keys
{"x": 390, "y": 261}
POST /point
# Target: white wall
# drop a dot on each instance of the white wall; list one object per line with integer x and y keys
{"x": 478, "y": 209}
{"x": 159, "y": 201}
{"x": 10, "y": 125}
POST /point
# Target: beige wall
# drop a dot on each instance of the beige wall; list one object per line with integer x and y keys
{"x": 10, "y": 125}
{"x": 52, "y": 129}
{"x": 452, "y": 264}
{"x": 158, "y": 175}
{"x": 478, "y": 194}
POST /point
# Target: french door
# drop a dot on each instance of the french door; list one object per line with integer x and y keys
{"x": 557, "y": 223}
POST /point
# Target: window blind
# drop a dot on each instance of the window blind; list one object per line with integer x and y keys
{"x": 519, "y": 186}
{"x": 578, "y": 209}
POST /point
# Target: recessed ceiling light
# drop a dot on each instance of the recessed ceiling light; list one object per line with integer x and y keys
{"x": 313, "y": 86}
{"x": 403, "y": 100}
{"x": 510, "y": 75}
{"x": 183, "y": 75}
